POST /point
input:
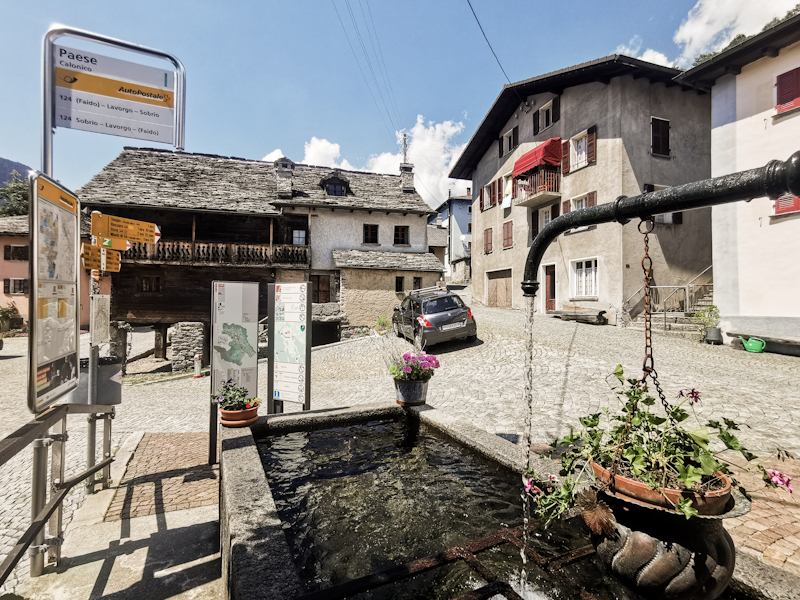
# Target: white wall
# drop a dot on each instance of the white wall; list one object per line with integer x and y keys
{"x": 756, "y": 266}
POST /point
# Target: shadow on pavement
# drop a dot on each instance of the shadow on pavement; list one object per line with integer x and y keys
{"x": 454, "y": 346}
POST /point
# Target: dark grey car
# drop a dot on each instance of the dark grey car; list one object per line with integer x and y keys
{"x": 429, "y": 318}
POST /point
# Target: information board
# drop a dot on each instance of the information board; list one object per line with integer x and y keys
{"x": 54, "y": 309}
{"x": 107, "y": 95}
{"x": 234, "y": 335}
{"x": 289, "y": 345}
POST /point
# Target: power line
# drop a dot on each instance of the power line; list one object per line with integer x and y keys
{"x": 385, "y": 70}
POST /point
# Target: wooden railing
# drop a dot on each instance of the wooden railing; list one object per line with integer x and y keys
{"x": 207, "y": 253}
{"x": 544, "y": 184}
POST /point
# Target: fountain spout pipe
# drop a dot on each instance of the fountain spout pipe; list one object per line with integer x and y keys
{"x": 772, "y": 180}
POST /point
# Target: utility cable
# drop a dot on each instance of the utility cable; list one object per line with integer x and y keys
{"x": 383, "y": 61}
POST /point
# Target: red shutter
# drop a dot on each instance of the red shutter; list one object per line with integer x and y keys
{"x": 481, "y": 197}
{"x": 515, "y": 137}
{"x": 591, "y": 144}
{"x": 565, "y": 207}
{"x": 498, "y": 190}
{"x": 591, "y": 199}
{"x": 535, "y": 122}
{"x": 565, "y": 157}
{"x": 514, "y": 187}
{"x": 492, "y": 193}
{"x": 508, "y": 234}
{"x": 786, "y": 204}
{"x": 788, "y": 91}
{"x": 554, "y": 211}
{"x": 487, "y": 240}
{"x": 556, "y": 108}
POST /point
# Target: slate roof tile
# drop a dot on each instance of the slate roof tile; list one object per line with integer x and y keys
{"x": 394, "y": 261}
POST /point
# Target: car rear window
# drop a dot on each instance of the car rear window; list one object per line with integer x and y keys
{"x": 442, "y": 304}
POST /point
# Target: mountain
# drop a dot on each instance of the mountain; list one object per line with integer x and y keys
{"x": 6, "y": 166}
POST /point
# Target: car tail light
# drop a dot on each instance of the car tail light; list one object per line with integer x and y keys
{"x": 469, "y": 314}
{"x": 424, "y": 322}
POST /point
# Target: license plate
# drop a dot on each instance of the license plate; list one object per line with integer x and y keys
{"x": 452, "y": 326}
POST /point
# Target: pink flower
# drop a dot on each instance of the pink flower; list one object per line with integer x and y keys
{"x": 407, "y": 356}
{"x": 529, "y": 487}
{"x": 406, "y": 369}
{"x": 779, "y": 478}
{"x": 693, "y": 395}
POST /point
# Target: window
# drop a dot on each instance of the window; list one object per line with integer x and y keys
{"x": 788, "y": 96}
{"x": 578, "y": 202}
{"x": 370, "y": 234}
{"x": 469, "y": 209}
{"x": 15, "y": 287}
{"x": 469, "y": 227}
{"x": 584, "y": 275}
{"x": 579, "y": 155}
{"x": 508, "y": 234}
{"x": 666, "y": 218}
{"x": 579, "y": 151}
{"x": 398, "y": 285}
{"x": 320, "y": 288}
{"x": 299, "y": 237}
{"x": 659, "y": 129}
{"x": 15, "y": 252}
{"x": 417, "y": 283}
{"x": 786, "y": 204}
{"x": 509, "y": 141}
{"x": 336, "y": 189}
{"x": 469, "y": 247}
{"x": 487, "y": 240}
{"x": 544, "y": 217}
{"x": 547, "y": 115}
{"x": 401, "y": 235}
{"x": 149, "y": 284}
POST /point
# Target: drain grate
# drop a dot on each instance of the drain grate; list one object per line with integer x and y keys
{"x": 466, "y": 553}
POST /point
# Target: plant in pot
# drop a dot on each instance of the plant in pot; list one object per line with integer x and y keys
{"x": 411, "y": 372}
{"x": 658, "y": 491}
{"x": 709, "y": 319}
{"x": 235, "y": 408}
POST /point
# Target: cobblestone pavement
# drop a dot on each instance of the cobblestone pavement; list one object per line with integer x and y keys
{"x": 168, "y": 471}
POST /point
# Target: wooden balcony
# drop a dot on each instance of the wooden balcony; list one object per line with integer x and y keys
{"x": 542, "y": 187}
{"x": 218, "y": 254}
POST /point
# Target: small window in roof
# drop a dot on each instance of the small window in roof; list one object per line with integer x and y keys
{"x": 335, "y": 187}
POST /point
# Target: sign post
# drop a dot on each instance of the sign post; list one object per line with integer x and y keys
{"x": 234, "y": 345}
{"x": 289, "y": 345}
{"x": 54, "y": 302}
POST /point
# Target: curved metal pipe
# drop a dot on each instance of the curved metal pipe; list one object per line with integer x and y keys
{"x": 772, "y": 180}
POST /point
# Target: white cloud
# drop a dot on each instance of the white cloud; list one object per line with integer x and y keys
{"x": 712, "y": 24}
{"x": 273, "y": 156}
{"x": 654, "y": 56}
{"x": 633, "y": 47}
{"x": 430, "y": 150}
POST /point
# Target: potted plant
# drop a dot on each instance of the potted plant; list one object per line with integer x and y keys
{"x": 411, "y": 372}
{"x": 235, "y": 408}
{"x": 654, "y": 479}
{"x": 709, "y": 319}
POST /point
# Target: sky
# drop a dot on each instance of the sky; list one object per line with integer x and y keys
{"x": 338, "y": 82}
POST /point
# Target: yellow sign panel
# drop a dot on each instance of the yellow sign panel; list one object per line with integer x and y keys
{"x": 115, "y": 244}
{"x": 98, "y": 258}
{"x": 123, "y": 90}
{"x": 47, "y": 190}
{"x": 108, "y": 226}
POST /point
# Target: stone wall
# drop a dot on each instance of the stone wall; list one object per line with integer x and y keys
{"x": 188, "y": 339}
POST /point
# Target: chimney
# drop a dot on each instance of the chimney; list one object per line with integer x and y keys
{"x": 469, "y": 192}
{"x": 283, "y": 173}
{"x": 439, "y": 219}
{"x": 407, "y": 178}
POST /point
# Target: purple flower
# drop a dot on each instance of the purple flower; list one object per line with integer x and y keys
{"x": 406, "y": 369}
{"x": 529, "y": 487}
{"x": 692, "y": 395}
{"x": 407, "y": 356}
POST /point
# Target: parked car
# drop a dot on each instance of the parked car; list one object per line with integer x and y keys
{"x": 433, "y": 315}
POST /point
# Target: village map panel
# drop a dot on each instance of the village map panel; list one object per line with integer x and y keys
{"x": 54, "y": 293}
{"x": 291, "y": 330}
{"x": 234, "y": 336}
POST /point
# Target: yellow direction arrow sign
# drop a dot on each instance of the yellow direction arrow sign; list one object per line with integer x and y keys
{"x": 100, "y": 259}
{"x": 114, "y": 244}
{"x": 108, "y": 226}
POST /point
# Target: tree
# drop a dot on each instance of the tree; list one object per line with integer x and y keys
{"x": 14, "y": 196}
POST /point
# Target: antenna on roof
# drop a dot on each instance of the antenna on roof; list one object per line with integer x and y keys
{"x": 405, "y": 147}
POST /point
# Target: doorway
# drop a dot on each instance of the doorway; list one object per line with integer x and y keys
{"x": 550, "y": 287}
{"x": 499, "y": 288}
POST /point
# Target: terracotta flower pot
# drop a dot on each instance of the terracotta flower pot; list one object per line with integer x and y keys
{"x": 238, "y": 418}
{"x": 710, "y": 503}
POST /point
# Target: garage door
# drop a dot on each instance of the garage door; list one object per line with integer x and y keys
{"x": 500, "y": 289}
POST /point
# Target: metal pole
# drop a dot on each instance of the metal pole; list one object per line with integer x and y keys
{"x": 54, "y": 526}
{"x": 38, "y": 500}
{"x": 94, "y": 356}
{"x": 212, "y": 432}
{"x": 91, "y": 440}
{"x": 107, "y": 449}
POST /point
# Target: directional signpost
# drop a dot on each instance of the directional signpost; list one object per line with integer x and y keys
{"x": 109, "y": 226}
{"x": 100, "y": 259}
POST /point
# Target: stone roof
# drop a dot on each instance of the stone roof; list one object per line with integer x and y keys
{"x": 19, "y": 225}
{"x": 437, "y": 236}
{"x": 391, "y": 261}
{"x": 209, "y": 183}
{"x": 14, "y": 225}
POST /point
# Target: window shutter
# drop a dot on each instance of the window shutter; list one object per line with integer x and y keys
{"x": 565, "y": 207}
{"x": 649, "y": 187}
{"x": 498, "y": 190}
{"x": 25, "y": 289}
{"x": 534, "y": 224}
{"x": 7, "y": 252}
{"x": 591, "y": 199}
{"x": 514, "y": 187}
{"x": 786, "y": 204}
{"x": 591, "y": 144}
{"x": 515, "y": 137}
{"x": 554, "y": 211}
{"x": 6, "y": 286}
{"x": 481, "y": 198}
{"x": 535, "y": 122}
{"x": 677, "y": 218}
{"x": 565, "y": 157}
{"x": 788, "y": 91}
{"x": 556, "y": 108}
{"x": 500, "y": 146}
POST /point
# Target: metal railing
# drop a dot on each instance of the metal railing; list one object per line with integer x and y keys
{"x": 37, "y": 434}
{"x": 674, "y": 301}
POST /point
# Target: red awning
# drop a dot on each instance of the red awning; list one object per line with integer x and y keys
{"x": 548, "y": 153}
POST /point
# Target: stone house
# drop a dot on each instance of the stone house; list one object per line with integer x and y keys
{"x": 437, "y": 244}
{"x": 455, "y": 214}
{"x": 584, "y": 135}
{"x": 225, "y": 218}
{"x": 755, "y": 115}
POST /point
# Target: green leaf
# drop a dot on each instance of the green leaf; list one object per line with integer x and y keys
{"x": 618, "y": 373}
{"x": 648, "y": 401}
{"x": 679, "y": 414}
{"x": 591, "y": 421}
{"x": 708, "y": 463}
{"x": 689, "y": 475}
{"x": 684, "y": 505}
{"x": 730, "y": 424}
{"x": 701, "y": 437}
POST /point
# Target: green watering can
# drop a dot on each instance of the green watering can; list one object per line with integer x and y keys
{"x": 754, "y": 344}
